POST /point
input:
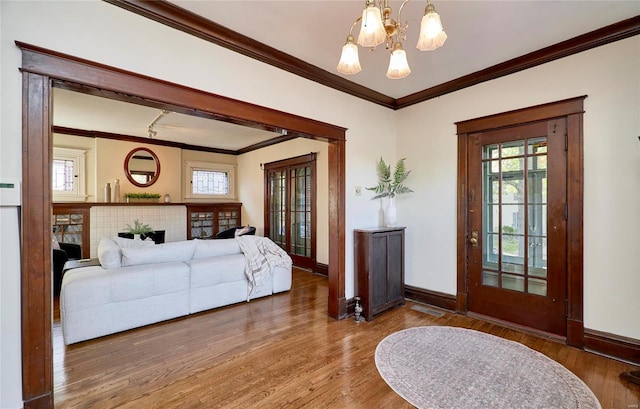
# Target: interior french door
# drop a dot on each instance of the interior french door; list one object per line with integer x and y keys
{"x": 517, "y": 225}
{"x": 290, "y": 189}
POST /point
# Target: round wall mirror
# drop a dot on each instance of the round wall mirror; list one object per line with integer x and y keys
{"x": 142, "y": 167}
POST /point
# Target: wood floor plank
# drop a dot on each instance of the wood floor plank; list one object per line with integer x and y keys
{"x": 276, "y": 352}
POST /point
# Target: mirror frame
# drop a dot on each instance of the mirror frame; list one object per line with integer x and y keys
{"x": 127, "y": 173}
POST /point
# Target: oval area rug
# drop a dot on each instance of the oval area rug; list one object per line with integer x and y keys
{"x": 449, "y": 367}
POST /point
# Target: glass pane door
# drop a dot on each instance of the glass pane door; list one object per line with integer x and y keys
{"x": 514, "y": 187}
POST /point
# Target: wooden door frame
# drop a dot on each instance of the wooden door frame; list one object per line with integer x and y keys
{"x": 573, "y": 110}
{"x": 40, "y": 68}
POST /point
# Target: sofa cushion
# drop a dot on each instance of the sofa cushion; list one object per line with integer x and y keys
{"x": 160, "y": 253}
{"x": 131, "y": 243}
{"x": 216, "y": 270}
{"x": 214, "y": 248}
{"x": 109, "y": 253}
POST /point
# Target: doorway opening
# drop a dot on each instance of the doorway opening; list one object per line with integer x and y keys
{"x": 41, "y": 68}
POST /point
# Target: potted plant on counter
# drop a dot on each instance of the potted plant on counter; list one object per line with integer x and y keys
{"x": 389, "y": 185}
{"x": 142, "y": 197}
{"x": 138, "y": 229}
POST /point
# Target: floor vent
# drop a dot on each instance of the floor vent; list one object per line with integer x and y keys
{"x": 429, "y": 311}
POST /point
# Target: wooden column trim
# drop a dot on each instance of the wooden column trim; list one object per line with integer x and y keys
{"x": 37, "y": 368}
{"x": 575, "y": 230}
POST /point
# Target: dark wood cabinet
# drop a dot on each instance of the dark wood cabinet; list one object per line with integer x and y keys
{"x": 204, "y": 221}
{"x": 379, "y": 268}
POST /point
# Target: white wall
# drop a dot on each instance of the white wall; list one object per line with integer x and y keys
{"x": 610, "y": 76}
{"x": 107, "y": 34}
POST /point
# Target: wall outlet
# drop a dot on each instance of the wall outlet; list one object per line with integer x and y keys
{"x": 358, "y": 191}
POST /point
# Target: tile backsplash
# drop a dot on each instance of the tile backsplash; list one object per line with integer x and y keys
{"x": 108, "y": 221}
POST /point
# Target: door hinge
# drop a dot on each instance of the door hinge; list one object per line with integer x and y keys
{"x": 566, "y": 211}
{"x": 566, "y": 142}
{"x": 566, "y": 307}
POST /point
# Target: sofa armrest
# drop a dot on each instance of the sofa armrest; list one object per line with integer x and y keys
{"x": 74, "y": 251}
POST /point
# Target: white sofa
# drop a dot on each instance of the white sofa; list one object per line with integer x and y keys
{"x": 139, "y": 286}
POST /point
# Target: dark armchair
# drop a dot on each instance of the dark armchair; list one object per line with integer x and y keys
{"x": 67, "y": 251}
{"x": 231, "y": 233}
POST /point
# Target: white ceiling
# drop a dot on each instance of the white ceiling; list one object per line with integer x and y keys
{"x": 87, "y": 112}
{"x": 480, "y": 34}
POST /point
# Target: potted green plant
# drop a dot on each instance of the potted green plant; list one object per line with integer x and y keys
{"x": 138, "y": 228}
{"x": 142, "y": 197}
{"x": 389, "y": 185}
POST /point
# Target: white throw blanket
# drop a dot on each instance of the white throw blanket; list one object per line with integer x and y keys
{"x": 262, "y": 256}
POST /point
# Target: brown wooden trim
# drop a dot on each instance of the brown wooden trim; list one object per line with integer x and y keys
{"x": 435, "y": 298}
{"x": 572, "y": 109}
{"x": 337, "y": 193}
{"x": 138, "y": 140}
{"x": 183, "y": 20}
{"x": 78, "y": 70}
{"x": 268, "y": 142}
{"x": 575, "y": 225}
{"x": 522, "y": 116}
{"x": 322, "y": 269}
{"x": 605, "y": 35}
{"x": 462, "y": 255}
{"x": 37, "y": 369}
{"x": 40, "y": 68}
{"x": 612, "y": 345}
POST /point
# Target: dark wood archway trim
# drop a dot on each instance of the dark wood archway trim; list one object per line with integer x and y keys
{"x": 573, "y": 110}
{"x": 40, "y": 68}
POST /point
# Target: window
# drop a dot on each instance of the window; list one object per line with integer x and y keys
{"x": 210, "y": 180}
{"x": 68, "y": 175}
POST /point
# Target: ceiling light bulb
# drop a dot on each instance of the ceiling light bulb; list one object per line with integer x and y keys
{"x": 372, "y": 32}
{"x": 432, "y": 34}
{"x": 349, "y": 61}
{"x": 398, "y": 65}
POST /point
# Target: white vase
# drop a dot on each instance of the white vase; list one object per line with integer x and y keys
{"x": 381, "y": 219}
{"x": 390, "y": 216}
{"x": 136, "y": 236}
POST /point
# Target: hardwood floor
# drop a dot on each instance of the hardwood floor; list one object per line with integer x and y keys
{"x": 279, "y": 351}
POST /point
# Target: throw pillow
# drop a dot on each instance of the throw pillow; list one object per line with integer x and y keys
{"x": 109, "y": 253}
{"x": 161, "y": 253}
{"x": 125, "y": 243}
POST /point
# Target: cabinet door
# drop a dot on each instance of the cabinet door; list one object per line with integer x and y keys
{"x": 395, "y": 273}
{"x": 379, "y": 274}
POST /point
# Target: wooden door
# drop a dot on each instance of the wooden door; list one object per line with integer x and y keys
{"x": 290, "y": 187}
{"x": 517, "y": 224}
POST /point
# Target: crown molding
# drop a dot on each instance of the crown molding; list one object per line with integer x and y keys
{"x": 183, "y": 20}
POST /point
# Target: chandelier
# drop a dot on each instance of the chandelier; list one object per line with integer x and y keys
{"x": 378, "y": 27}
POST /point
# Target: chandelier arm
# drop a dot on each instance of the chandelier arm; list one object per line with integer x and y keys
{"x": 354, "y": 24}
{"x": 400, "y": 11}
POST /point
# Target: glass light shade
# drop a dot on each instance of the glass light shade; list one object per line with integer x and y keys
{"x": 432, "y": 34}
{"x": 398, "y": 65}
{"x": 372, "y": 32}
{"x": 349, "y": 62}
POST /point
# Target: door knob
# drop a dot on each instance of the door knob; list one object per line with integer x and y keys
{"x": 474, "y": 238}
